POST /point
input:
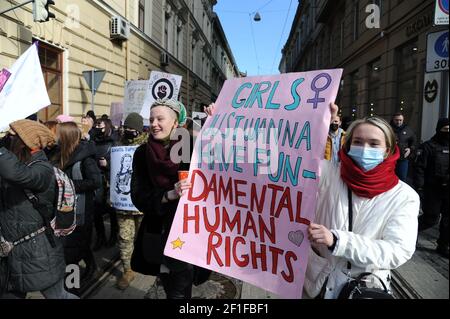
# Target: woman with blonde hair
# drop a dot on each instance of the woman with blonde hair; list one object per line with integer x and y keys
{"x": 366, "y": 219}
{"x": 77, "y": 160}
{"x": 155, "y": 191}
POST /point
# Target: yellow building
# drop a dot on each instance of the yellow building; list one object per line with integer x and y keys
{"x": 173, "y": 36}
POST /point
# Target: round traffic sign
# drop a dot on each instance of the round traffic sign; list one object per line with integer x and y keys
{"x": 443, "y": 4}
{"x": 441, "y": 45}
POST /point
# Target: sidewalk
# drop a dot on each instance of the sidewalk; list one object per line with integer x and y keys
{"x": 425, "y": 276}
{"x": 217, "y": 287}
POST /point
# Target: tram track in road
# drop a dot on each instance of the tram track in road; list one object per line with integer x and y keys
{"x": 94, "y": 285}
{"x": 401, "y": 289}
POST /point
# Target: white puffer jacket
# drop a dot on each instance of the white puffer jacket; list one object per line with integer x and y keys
{"x": 383, "y": 238}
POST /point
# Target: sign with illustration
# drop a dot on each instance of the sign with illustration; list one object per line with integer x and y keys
{"x": 255, "y": 174}
{"x": 120, "y": 183}
{"x": 160, "y": 86}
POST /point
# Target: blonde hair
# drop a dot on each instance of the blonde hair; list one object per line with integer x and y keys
{"x": 384, "y": 126}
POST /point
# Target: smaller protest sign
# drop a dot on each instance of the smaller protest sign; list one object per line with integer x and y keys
{"x": 120, "y": 182}
{"x": 160, "y": 86}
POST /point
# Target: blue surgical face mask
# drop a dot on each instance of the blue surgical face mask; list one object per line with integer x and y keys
{"x": 366, "y": 157}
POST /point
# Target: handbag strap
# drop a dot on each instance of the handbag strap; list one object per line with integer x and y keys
{"x": 367, "y": 274}
{"x": 350, "y": 218}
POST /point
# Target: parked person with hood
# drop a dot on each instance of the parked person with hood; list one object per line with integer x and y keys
{"x": 129, "y": 221}
{"x": 104, "y": 141}
{"x": 384, "y": 212}
{"x": 36, "y": 264}
{"x": 155, "y": 190}
{"x": 431, "y": 181}
{"x": 406, "y": 141}
{"x": 77, "y": 160}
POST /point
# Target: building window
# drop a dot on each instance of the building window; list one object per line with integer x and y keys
{"x": 374, "y": 87}
{"x": 406, "y": 57}
{"x": 355, "y": 15}
{"x": 166, "y": 33}
{"x": 340, "y": 93}
{"x": 141, "y": 22}
{"x": 355, "y": 84}
{"x": 51, "y": 63}
{"x": 331, "y": 47}
{"x": 179, "y": 40}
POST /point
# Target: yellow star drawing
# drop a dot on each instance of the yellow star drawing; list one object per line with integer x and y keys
{"x": 177, "y": 243}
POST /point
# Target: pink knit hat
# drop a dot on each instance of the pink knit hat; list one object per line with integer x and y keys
{"x": 64, "y": 118}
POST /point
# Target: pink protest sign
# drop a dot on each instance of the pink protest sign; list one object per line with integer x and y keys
{"x": 255, "y": 175}
{"x": 4, "y": 76}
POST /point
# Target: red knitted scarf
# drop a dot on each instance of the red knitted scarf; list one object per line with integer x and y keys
{"x": 372, "y": 183}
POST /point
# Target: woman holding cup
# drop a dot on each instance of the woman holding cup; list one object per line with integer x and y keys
{"x": 157, "y": 183}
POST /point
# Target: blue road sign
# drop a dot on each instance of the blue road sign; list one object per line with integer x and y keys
{"x": 443, "y": 4}
{"x": 441, "y": 46}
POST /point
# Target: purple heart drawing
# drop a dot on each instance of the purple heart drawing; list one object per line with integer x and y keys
{"x": 296, "y": 237}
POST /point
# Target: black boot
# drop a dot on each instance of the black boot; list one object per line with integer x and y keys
{"x": 112, "y": 240}
{"x": 114, "y": 228}
{"x": 100, "y": 242}
{"x": 91, "y": 267}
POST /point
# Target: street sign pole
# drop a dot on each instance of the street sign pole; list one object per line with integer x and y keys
{"x": 93, "y": 90}
{"x": 94, "y": 78}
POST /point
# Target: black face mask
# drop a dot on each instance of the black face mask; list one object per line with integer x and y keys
{"x": 98, "y": 131}
{"x": 443, "y": 137}
{"x": 130, "y": 135}
{"x": 334, "y": 127}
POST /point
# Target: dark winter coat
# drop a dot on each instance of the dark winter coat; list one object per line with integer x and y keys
{"x": 77, "y": 243}
{"x": 33, "y": 265}
{"x": 432, "y": 165}
{"x": 103, "y": 145}
{"x": 406, "y": 138}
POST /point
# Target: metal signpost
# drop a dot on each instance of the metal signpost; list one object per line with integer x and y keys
{"x": 94, "y": 78}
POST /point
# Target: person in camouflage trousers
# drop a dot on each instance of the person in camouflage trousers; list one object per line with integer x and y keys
{"x": 129, "y": 221}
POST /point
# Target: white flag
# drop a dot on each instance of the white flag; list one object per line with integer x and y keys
{"x": 25, "y": 92}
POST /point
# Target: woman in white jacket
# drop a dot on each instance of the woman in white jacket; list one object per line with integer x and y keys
{"x": 385, "y": 212}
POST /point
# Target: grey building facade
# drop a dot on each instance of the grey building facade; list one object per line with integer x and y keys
{"x": 384, "y": 65}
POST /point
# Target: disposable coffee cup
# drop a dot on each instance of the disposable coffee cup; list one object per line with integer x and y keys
{"x": 182, "y": 175}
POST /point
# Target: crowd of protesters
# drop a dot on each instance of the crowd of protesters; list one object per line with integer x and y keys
{"x": 374, "y": 170}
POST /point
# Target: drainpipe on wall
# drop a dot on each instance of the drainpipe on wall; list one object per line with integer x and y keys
{"x": 127, "y": 48}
